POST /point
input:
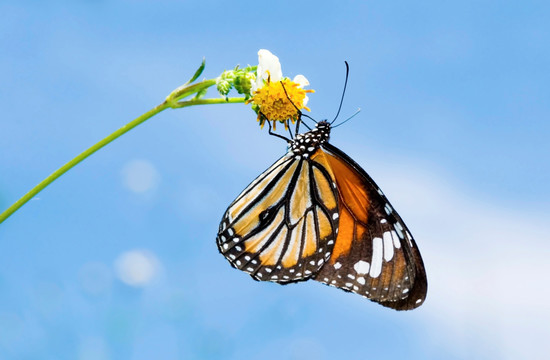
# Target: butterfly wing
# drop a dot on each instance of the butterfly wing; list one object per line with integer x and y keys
{"x": 282, "y": 227}
{"x": 375, "y": 254}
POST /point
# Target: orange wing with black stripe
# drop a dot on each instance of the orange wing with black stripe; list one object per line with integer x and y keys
{"x": 282, "y": 227}
{"x": 374, "y": 255}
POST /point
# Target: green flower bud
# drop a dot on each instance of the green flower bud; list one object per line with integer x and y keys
{"x": 228, "y": 75}
{"x": 243, "y": 83}
{"x": 223, "y": 86}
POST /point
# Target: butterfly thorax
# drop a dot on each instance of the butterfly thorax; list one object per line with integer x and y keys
{"x": 307, "y": 143}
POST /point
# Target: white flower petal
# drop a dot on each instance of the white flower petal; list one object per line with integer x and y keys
{"x": 306, "y": 99}
{"x": 268, "y": 66}
{"x": 301, "y": 80}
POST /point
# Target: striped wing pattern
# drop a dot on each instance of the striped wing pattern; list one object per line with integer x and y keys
{"x": 374, "y": 255}
{"x": 282, "y": 227}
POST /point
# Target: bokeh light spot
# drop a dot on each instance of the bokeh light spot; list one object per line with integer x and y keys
{"x": 140, "y": 176}
{"x": 136, "y": 267}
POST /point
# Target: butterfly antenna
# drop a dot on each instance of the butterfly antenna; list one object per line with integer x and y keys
{"x": 348, "y": 119}
{"x": 343, "y": 93}
{"x": 300, "y": 113}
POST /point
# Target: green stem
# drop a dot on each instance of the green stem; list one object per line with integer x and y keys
{"x": 171, "y": 102}
{"x": 182, "y": 104}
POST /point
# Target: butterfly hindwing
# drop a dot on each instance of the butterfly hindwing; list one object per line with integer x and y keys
{"x": 374, "y": 255}
{"x": 282, "y": 227}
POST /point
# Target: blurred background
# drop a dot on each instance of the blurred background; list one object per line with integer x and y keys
{"x": 117, "y": 259}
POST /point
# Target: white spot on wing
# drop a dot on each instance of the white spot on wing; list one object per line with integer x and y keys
{"x": 396, "y": 241}
{"x": 409, "y": 237}
{"x": 361, "y": 267}
{"x": 388, "y": 246}
{"x": 399, "y": 230}
{"x": 376, "y": 267}
{"x": 337, "y": 266}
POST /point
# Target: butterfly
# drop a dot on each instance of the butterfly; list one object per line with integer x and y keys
{"x": 316, "y": 214}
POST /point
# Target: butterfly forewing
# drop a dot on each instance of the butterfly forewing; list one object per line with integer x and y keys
{"x": 374, "y": 255}
{"x": 282, "y": 227}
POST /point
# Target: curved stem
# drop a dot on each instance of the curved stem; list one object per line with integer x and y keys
{"x": 172, "y": 101}
{"x": 62, "y": 170}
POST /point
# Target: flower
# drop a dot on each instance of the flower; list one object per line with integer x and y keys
{"x": 277, "y": 98}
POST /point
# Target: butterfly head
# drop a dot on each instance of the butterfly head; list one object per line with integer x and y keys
{"x": 307, "y": 143}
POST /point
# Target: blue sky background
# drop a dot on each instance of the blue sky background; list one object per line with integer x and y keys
{"x": 454, "y": 128}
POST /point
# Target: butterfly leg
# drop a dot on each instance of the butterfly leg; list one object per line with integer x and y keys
{"x": 270, "y": 130}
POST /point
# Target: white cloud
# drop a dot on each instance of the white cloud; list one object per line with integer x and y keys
{"x": 487, "y": 267}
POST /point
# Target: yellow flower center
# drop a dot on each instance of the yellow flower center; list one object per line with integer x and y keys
{"x": 276, "y": 105}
